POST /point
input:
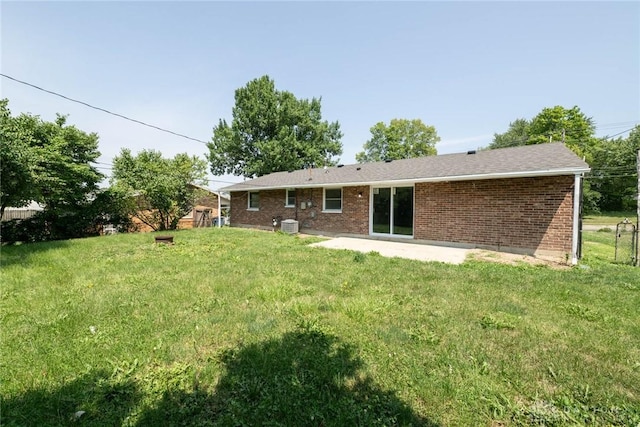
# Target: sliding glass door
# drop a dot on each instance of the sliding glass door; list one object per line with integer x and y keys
{"x": 392, "y": 211}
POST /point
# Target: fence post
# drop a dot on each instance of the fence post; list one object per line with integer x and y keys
{"x": 638, "y": 210}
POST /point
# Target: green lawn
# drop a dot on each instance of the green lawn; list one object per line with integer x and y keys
{"x": 609, "y": 218}
{"x": 237, "y": 327}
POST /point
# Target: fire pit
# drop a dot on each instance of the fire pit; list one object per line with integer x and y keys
{"x": 167, "y": 240}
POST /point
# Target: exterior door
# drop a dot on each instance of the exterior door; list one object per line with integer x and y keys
{"x": 392, "y": 211}
{"x": 381, "y": 210}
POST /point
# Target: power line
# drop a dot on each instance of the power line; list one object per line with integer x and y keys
{"x": 610, "y": 176}
{"x": 616, "y": 124}
{"x": 517, "y": 141}
{"x": 104, "y": 110}
{"x": 619, "y": 133}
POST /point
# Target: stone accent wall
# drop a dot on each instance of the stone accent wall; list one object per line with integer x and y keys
{"x": 532, "y": 215}
{"x": 518, "y": 213}
{"x": 354, "y": 218}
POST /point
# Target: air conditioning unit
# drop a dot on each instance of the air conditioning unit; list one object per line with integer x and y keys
{"x": 289, "y": 226}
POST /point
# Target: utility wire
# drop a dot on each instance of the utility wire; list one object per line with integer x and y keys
{"x": 104, "y": 110}
{"x": 526, "y": 138}
{"x": 109, "y": 166}
{"x": 610, "y": 176}
{"x": 615, "y": 125}
{"x": 619, "y": 133}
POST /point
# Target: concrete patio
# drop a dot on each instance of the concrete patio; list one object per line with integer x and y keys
{"x": 389, "y": 249}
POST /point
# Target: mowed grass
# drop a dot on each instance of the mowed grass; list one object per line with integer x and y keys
{"x": 238, "y": 327}
{"x": 610, "y": 218}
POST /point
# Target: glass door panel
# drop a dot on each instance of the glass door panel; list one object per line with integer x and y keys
{"x": 382, "y": 210}
{"x": 403, "y": 211}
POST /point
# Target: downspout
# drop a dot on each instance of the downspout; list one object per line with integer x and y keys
{"x": 576, "y": 220}
{"x": 219, "y": 210}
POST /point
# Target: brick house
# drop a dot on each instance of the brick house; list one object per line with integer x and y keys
{"x": 520, "y": 199}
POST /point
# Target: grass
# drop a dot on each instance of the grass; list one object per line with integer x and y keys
{"x": 238, "y": 327}
{"x": 609, "y": 218}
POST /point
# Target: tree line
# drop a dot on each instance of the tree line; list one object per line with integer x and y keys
{"x": 271, "y": 130}
{"x": 612, "y": 183}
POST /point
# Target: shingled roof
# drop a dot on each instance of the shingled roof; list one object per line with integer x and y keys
{"x": 526, "y": 161}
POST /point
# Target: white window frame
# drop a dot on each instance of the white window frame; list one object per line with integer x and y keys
{"x": 249, "y": 207}
{"x": 286, "y": 198}
{"x": 324, "y": 200}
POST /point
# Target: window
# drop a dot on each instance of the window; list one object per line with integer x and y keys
{"x": 290, "y": 201}
{"x": 333, "y": 199}
{"x": 254, "y": 200}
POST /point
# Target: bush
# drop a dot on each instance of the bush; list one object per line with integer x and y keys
{"x": 108, "y": 207}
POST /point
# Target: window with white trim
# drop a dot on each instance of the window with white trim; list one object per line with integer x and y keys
{"x": 253, "y": 201}
{"x": 290, "y": 198}
{"x": 332, "y": 200}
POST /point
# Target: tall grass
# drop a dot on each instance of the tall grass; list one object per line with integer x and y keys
{"x": 238, "y": 327}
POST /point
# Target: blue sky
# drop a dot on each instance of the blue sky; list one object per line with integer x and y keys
{"x": 467, "y": 68}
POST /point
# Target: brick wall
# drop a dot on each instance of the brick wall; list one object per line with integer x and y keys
{"x": 527, "y": 213}
{"x": 354, "y": 218}
{"x": 533, "y": 214}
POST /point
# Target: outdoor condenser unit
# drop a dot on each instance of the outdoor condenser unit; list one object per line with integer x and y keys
{"x": 289, "y": 226}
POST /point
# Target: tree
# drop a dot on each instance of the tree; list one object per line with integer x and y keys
{"x": 517, "y": 134}
{"x": 67, "y": 178}
{"x": 49, "y": 162}
{"x": 272, "y": 131}
{"x": 557, "y": 124}
{"x": 17, "y": 159}
{"x": 402, "y": 139}
{"x": 614, "y": 173}
{"x": 165, "y": 190}
{"x": 570, "y": 126}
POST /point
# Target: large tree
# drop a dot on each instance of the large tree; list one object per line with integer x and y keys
{"x": 568, "y": 125}
{"x": 517, "y": 134}
{"x": 272, "y": 131}
{"x": 554, "y": 124}
{"x": 612, "y": 183}
{"x": 401, "y": 139}
{"x": 67, "y": 177}
{"x": 18, "y": 159}
{"x": 49, "y": 162}
{"x": 164, "y": 189}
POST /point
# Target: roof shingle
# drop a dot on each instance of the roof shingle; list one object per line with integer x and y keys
{"x": 530, "y": 160}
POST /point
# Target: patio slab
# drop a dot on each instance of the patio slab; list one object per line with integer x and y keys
{"x": 388, "y": 249}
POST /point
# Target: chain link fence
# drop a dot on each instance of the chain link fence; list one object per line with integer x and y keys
{"x": 626, "y": 243}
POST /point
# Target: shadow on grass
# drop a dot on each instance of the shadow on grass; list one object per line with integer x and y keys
{"x": 24, "y": 253}
{"x": 304, "y": 378}
{"x": 105, "y": 401}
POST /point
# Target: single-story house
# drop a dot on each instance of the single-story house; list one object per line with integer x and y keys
{"x": 521, "y": 199}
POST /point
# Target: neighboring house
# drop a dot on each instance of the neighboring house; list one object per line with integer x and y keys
{"x": 204, "y": 214}
{"x": 521, "y": 199}
{"x": 22, "y": 213}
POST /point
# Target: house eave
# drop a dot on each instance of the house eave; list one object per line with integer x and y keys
{"x": 410, "y": 181}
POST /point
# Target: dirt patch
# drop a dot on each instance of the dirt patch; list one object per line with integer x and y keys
{"x": 516, "y": 259}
